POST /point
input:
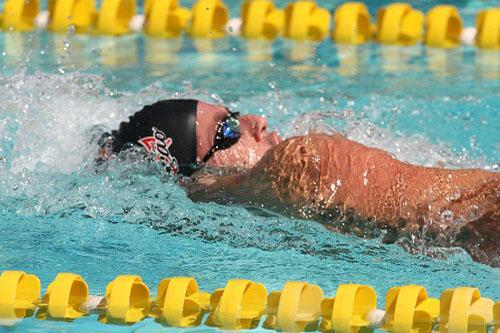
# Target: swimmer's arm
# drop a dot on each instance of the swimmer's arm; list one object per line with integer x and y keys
{"x": 333, "y": 172}
{"x": 460, "y": 206}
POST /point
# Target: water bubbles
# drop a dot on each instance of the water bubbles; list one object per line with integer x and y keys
{"x": 216, "y": 98}
{"x": 473, "y": 143}
{"x": 66, "y": 45}
{"x": 71, "y": 29}
{"x": 474, "y": 213}
{"x": 447, "y": 217}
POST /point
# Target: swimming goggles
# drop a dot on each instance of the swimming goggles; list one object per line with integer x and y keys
{"x": 227, "y": 134}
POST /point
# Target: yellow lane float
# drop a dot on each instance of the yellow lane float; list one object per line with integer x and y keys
{"x": 209, "y": 19}
{"x": 64, "y": 298}
{"x": 463, "y": 309}
{"x": 114, "y": 17}
{"x": 180, "y": 303}
{"x": 409, "y": 309}
{"x": 304, "y": 20}
{"x": 351, "y": 24}
{"x": 20, "y": 15}
{"x": 165, "y": 18}
{"x": 260, "y": 19}
{"x": 488, "y": 28}
{"x": 399, "y": 24}
{"x": 65, "y": 13}
{"x": 444, "y": 26}
{"x": 127, "y": 300}
{"x": 19, "y": 294}
{"x": 240, "y": 305}
{"x": 297, "y": 308}
{"x": 496, "y": 317}
{"x": 347, "y": 312}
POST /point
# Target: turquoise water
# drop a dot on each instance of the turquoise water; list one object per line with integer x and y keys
{"x": 430, "y": 107}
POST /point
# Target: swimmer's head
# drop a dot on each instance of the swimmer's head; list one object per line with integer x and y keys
{"x": 255, "y": 138}
{"x": 184, "y": 134}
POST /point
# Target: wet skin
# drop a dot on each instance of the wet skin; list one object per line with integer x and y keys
{"x": 353, "y": 188}
{"x": 255, "y": 139}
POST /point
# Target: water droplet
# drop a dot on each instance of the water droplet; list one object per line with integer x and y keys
{"x": 447, "y": 216}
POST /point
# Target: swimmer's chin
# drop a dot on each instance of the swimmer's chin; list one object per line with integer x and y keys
{"x": 275, "y": 138}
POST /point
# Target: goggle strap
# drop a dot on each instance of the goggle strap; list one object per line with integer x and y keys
{"x": 209, "y": 154}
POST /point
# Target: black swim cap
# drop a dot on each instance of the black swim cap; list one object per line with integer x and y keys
{"x": 167, "y": 130}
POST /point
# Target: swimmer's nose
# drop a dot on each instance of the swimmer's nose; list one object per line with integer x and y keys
{"x": 254, "y": 125}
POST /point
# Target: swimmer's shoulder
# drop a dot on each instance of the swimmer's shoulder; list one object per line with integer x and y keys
{"x": 297, "y": 152}
{"x": 336, "y": 143}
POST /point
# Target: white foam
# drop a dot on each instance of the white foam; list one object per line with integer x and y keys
{"x": 53, "y": 114}
{"x": 415, "y": 149}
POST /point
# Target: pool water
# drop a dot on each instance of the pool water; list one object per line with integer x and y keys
{"x": 425, "y": 106}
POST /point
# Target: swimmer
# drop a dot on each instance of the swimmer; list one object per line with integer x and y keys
{"x": 343, "y": 184}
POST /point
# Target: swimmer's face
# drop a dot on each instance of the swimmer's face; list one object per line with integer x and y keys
{"x": 255, "y": 138}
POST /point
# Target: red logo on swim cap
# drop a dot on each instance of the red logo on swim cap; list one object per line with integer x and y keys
{"x": 157, "y": 145}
